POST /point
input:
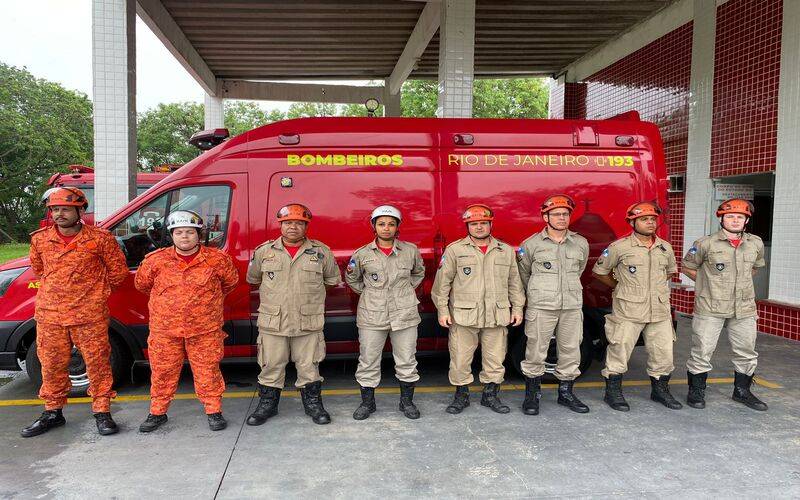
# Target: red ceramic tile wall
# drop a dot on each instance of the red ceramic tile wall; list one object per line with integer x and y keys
{"x": 779, "y": 319}
{"x": 746, "y": 71}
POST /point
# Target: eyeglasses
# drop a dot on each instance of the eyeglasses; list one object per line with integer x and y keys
{"x": 559, "y": 214}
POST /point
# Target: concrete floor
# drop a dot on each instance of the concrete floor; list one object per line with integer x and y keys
{"x": 723, "y": 451}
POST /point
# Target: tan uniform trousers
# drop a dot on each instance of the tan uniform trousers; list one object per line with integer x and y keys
{"x": 305, "y": 351}
{"x": 404, "y": 351}
{"x": 463, "y": 340}
{"x": 540, "y": 324}
{"x": 622, "y": 336}
{"x": 741, "y": 333}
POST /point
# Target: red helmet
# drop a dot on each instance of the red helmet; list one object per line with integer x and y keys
{"x": 558, "y": 201}
{"x": 67, "y": 196}
{"x": 642, "y": 209}
{"x": 294, "y": 211}
{"x": 477, "y": 213}
{"x": 735, "y": 206}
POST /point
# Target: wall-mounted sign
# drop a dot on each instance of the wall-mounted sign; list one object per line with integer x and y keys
{"x": 724, "y": 191}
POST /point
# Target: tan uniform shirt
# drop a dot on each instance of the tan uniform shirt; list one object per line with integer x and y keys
{"x": 478, "y": 290}
{"x": 386, "y": 285}
{"x": 724, "y": 284}
{"x": 642, "y": 292}
{"x": 292, "y": 291}
{"x": 551, "y": 272}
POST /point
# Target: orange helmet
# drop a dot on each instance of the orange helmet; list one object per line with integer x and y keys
{"x": 558, "y": 201}
{"x": 477, "y": 213}
{"x": 294, "y": 211}
{"x": 735, "y": 206}
{"x": 67, "y": 196}
{"x": 642, "y": 209}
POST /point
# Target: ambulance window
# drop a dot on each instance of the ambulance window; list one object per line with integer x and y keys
{"x": 145, "y": 230}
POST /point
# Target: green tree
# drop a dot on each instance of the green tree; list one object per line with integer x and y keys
{"x": 43, "y": 129}
{"x": 494, "y": 98}
{"x": 164, "y": 131}
{"x": 310, "y": 109}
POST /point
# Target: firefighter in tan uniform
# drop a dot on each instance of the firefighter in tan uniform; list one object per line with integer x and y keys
{"x": 550, "y": 264}
{"x": 478, "y": 293}
{"x": 723, "y": 265}
{"x": 385, "y": 273}
{"x": 292, "y": 273}
{"x": 642, "y": 264}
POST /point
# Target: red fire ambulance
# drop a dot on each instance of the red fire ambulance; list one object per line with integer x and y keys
{"x": 342, "y": 168}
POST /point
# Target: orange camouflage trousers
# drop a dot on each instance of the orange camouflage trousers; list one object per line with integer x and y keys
{"x": 54, "y": 349}
{"x": 166, "y": 354}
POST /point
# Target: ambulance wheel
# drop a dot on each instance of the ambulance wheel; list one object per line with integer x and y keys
{"x": 120, "y": 364}
{"x": 518, "y": 356}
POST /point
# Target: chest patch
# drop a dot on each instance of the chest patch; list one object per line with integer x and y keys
{"x": 270, "y": 274}
{"x": 374, "y": 276}
{"x": 310, "y": 251}
{"x": 632, "y": 269}
{"x": 720, "y": 266}
{"x": 467, "y": 270}
{"x": 547, "y": 265}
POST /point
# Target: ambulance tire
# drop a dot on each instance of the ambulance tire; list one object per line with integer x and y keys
{"x": 120, "y": 366}
{"x": 517, "y": 354}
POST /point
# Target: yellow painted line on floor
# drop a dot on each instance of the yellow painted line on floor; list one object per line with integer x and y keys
{"x": 388, "y": 390}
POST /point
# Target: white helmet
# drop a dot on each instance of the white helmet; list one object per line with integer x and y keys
{"x": 386, "y": 210}
{"x": 184, "y": 218}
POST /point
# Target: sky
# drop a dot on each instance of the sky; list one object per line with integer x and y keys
{"x": 53, "y": 40}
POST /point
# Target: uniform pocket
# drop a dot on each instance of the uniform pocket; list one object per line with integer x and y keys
{"x": 319, "y": 354}
{"x": 269, "y": 318}
{"x": 573, "y": 260}
{"x": 467, "y": 266}
{"x": 312, "y": 317}
{"x": 502, "y": 312}
{"x": 465, "y": 312}
{"x": 545, "y": 262}
{"x": 270, "y": 272}
{"x": 374, "y": 274}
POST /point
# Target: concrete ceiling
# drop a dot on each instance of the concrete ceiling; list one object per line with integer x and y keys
{"x": 364, "y": 39}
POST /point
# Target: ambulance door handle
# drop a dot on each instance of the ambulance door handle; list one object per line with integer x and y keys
{"x": 464, "y": 139}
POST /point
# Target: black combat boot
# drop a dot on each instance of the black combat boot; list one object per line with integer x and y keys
{"x": 407, "y": 405}
{"x": 460, "y": 400}
{"x": 533, "y": 393}
{"x": 153, "y": 422}
{"x": 268, "y": 399}
{"x": 312, "y": 402}
{"x": 659, "y": 392}
{"x": 48, "y": 420}
{"x": 105, "y": 424}
{"x": 696, "y": 397}
{"x": 614, "y": 396}
{"x": 490, "y": 399}
{"x": 216, "y": 422}
{"x": 742, "y": 394}
{"x": 567, "y": 398}
{"x": 367, "y": 405}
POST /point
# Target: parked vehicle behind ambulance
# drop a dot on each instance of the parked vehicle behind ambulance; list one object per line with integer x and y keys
{"x": 342, "y": 168}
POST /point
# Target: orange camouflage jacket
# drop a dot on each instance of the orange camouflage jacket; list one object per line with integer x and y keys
{"x": 186, "y": 299}
{"x": 76, "y": 279}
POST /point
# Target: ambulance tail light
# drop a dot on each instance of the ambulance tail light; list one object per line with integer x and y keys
{"x": 207, "y": 139}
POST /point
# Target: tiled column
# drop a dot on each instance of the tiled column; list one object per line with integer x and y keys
{"x": 785, "y": 266}
{"x": 699, "y": 195}
{"x": 114, "y": 96}
{"x": 214, "y": 112}
{"x": 456, "y": 59}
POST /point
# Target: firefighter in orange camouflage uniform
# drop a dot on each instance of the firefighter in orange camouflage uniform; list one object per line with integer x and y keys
{"x": 78, "y": 266}
{"x": 187, "y": 284}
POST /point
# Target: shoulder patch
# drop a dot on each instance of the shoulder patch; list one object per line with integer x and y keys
{"x": 351, "y": 266}
{"x": 693, "y": 250}
{"x": 605, "y": 253}
{"x": 441, "y": 261}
